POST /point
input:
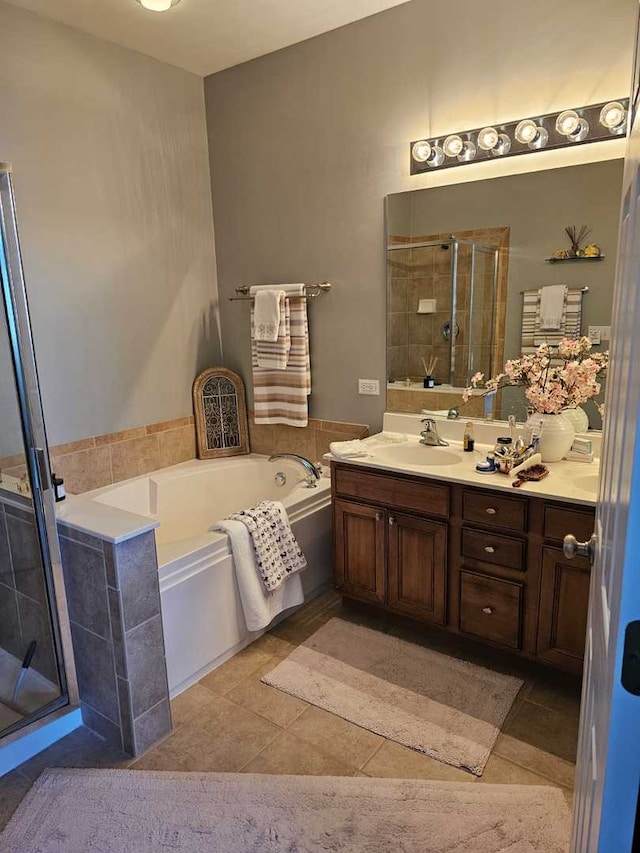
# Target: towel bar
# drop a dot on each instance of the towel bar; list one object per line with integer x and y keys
{"x": 310, "y": 291}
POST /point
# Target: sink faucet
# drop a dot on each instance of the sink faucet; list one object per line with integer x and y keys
{"x": 429, "y": 435}
{"x": 314, "y": 472}
{"x": 453, "y": 414}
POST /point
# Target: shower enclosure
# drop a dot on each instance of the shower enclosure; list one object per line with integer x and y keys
{"x": 441, "y": 308}
{"x": 32, "y": 672}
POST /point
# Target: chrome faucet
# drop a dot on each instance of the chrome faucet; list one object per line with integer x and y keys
{"x": 314, "y": 472}
{"x": 453, "y": 414}
{"x": 429, "y": 435}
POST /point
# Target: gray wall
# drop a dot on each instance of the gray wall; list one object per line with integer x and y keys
{"x": 111, "y": 171}
{"x": 305, "y": 144}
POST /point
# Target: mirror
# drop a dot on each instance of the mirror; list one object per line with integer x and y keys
{"x": 460, "y": 259}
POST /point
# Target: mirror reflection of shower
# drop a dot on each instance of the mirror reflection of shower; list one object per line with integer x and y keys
{"x": 442, "y": 307}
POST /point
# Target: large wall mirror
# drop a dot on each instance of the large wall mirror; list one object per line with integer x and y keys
{"x": 465, "y": 267}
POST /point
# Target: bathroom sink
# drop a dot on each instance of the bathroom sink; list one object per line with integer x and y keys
{"x": 417, "y": 454}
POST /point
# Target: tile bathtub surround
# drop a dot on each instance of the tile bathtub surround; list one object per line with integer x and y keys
{"x": 116, "y": 625}
{"x": 311, "y": 441}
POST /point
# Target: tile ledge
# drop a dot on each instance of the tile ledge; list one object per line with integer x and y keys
{"x": 106, "y": 522}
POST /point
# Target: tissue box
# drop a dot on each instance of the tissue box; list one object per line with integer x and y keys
{"x": 582, "y": 445}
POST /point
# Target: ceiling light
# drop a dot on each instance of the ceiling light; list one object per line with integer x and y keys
{"x": 529, "y": 133}
{"x": 453, "y": 145}
{"x": 488, "y": 138}
{"x": 158, "y": 5}
{"x": 613, "y": 116}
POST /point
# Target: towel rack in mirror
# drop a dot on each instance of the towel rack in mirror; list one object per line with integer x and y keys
{"x": 311, "y": 291}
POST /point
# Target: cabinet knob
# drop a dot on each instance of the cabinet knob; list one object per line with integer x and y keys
{"x": 487, "y": 610}
{"x": 378, "y": 516}
{"x": 491, "y": 510}
{"x": 489, "y": 549}
{"x": 392, "y": 520}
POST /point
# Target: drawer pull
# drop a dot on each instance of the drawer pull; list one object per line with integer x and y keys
{"x": 489, "y": 549}
{"x": 392, "y": 520}
{"x": 378, "y": 516}
{"x": 487, "y": 610}
{"x": 491, "y": 510}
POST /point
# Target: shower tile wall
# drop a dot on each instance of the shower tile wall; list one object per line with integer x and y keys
{"x": 24, "y": 612}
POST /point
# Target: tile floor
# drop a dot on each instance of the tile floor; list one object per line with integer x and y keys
{"x": 231, "y": 722}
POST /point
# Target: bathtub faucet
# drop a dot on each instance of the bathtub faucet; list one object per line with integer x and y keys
{"x": 314, "y": 472}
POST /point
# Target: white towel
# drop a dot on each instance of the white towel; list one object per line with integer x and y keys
{"x": 274, "y": 356}
{"x": 259, "y": 609}
{"x": 268, "y": 306}
{"x": 349, "y": 449}
{"x": 552, "y": 301}
{"x": 277, "y": 553}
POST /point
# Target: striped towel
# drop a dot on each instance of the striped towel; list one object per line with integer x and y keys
{"x": 570, "y": 327}
{"x": 273, "y": 356}
{"x": 280, "y": 395}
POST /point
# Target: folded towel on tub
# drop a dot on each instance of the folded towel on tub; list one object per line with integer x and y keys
{"x": 268, "y": 561}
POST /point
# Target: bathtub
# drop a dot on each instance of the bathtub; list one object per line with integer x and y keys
{"x": 201, "y": 611}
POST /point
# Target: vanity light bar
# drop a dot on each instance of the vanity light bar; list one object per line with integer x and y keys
{"x": 595, "y": 123}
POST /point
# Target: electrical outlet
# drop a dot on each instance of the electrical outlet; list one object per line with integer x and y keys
{"x": 369, "y": 386}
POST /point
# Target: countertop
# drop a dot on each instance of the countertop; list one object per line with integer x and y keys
{"x": 572, "y": 482}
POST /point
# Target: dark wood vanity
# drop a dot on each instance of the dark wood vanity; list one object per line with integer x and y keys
{"x": 478, "y": 562}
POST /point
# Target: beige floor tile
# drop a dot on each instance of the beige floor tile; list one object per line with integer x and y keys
{"x": 236, "y": 669}
{"x": 502, "y": 772}
{"x": 189, "y": 704}
{"x": 394, "y": 761}
{"x": 537, "y": 760}
{"x": 266, "y": 701}
{"x": 13, "y": 788}
{"x": 274, "y": 646}
{"x": 221, "y": 739}
{"x": 81, "y": 748}
{"x": 545, "y": 729}
{"x": 336, "y": 736}
{"x": 289, "y": 755}
{"x": 560, "y": 694}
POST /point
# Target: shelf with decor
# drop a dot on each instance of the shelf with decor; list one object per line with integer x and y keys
{"x": 570, "y": 260}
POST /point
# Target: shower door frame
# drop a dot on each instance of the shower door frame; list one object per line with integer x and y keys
{"x": 25, "y": 372}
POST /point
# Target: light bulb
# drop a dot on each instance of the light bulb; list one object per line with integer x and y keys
{"x": 613, "y": 116}
{"x": 468, "y": 152}
{"x": 567, "y": 122}
{"x": 453, "y": 145}
{"x": 437, "y": 157}
{"x": 526, "y": 131}
{"x": 488, "y": 138}
{"x": 158, "y": 5}
{"x": 421, "y": 151}
{"x": 580, "y": 132}
{"x": 529, "y": 133}
{"x": 503, "y": 146}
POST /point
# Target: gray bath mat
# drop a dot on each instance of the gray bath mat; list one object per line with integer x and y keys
{"x": 128, "y": 811}
{"x": 448, "y": 709}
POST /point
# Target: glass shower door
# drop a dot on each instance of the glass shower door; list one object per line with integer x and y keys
{"x": 32, "y": 676}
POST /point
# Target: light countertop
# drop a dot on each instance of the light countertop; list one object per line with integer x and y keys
{"x": 573, "y": 482}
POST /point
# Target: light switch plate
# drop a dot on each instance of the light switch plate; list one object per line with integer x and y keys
{"x": 369, "y": 386}
{"x": 599, "y": 333}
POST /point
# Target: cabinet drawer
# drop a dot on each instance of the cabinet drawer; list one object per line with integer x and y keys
{"x": 559, "y": 521}
{"x": 501, "y": 513}
{"x": 420, "y": 496}
{"x": 493, "y": 548}
{"x": 491, "y": 608}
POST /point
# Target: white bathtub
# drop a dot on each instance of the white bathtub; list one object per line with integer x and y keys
{"x": 201, "y": 612}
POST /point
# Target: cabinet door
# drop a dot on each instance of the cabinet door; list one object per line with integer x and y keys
{"x": 417, "y": 567}
{"x": 564, "y": 600}
{"x": 359, "y": 555}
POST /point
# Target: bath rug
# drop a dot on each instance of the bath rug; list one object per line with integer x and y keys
{"x": 449, "y": 709}
{"x": 129, "y": 811}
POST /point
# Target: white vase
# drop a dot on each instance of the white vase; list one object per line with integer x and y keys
{"x": 578, "y": 418}
{"x": 557, "y": 435}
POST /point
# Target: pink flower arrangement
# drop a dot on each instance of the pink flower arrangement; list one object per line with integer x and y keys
{"x": 554, "y": 379}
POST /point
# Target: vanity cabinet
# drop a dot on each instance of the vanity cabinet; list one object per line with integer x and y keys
{"x": 474, "y": 561}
